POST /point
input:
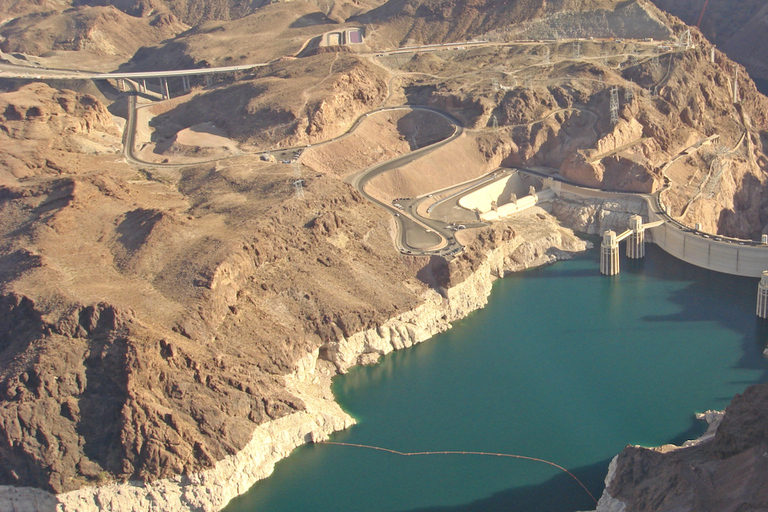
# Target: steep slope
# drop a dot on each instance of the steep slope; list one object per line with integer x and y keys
{"x": 131, "y": 302}
{"x": 150, "y": 315}
{"x": 196, "y": 12}
{"x": 282, "y": 28}
{"x": 433, "y": 21}
{"x": 104, "y": 35}
{"x": 739, "y": 32}
{"x": 725, "y": 473}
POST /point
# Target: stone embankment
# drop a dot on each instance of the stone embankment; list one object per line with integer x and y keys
{"x": 534, "y": 239}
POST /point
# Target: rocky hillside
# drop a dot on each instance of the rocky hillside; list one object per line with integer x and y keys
{"x": 740, "y": 32}
{"x": 190, "y": 12}
{"x": 105, "y": 30}
{"x": 725, "y": 473}
{"x": 93, "y": 38}
{"x": 101, "y": 382}
{"x": 291, "y": 103}
{"x": 46, "y": 132}
{"x": 149, "y": 315}
{"x": 226, "y": 43}
{"x": 432, "y": 21}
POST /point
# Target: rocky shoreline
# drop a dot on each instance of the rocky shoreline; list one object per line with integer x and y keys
{"x": 536, "y": 239}
{"x": 723, "y": 470}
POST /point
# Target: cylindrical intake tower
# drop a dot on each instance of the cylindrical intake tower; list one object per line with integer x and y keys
{"x": 609, "y": 254}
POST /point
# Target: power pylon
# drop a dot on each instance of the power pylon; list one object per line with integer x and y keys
{"x": 614, "y": 105}
{"x": 577, "y": 50}
{"x": 298, "y": 183}
{"x": 528, "y": 84}
{"x": 685, "y": 42}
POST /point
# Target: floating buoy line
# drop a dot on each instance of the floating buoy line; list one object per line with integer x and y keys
{"x": 492, "y": 454}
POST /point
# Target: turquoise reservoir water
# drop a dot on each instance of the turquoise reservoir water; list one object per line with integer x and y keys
{"x": 563, "y": 364}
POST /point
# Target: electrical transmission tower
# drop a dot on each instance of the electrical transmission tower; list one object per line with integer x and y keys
{"x": 717, "y": 167}
{"x": 629, "y": 94}
{"x": 298, "y": 183}
{"x": 633, "y": 59}
{"x": 494, "y": 122}
{"x": 685, "y": 42}
{"x": 495, "y": 83}
{"x": 614, "y": 104}
{"x": 577, "y": 50}
{"x": 528, "y": 84}
{"x": 545, "y": 59}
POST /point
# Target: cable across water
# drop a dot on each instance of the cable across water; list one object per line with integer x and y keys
{"x": 508, "y": 455}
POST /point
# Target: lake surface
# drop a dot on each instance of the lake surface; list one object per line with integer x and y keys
{"x": 563, "y": 364}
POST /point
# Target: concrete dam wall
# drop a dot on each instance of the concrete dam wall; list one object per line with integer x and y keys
{"x": 737, "y": 257}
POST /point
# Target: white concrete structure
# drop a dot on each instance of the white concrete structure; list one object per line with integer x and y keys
{"x": 498, "y": 199}
{"x": 740, "y": 258}
{"x": 762, "y": 296}
{"x": 635, "y": 236}
{"x": 609, "y": 254}
{"x": 737, "y": 257}
{"x": 636, "y": 239}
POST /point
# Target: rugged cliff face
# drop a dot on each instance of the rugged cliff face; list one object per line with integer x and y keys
{"x": 159, "y": 321}
{"x": 167, "y": 381}
{"x": 131, "y": 301}
{"x": 103, "y": 30}
{"x": 45, "y": 132}
{"x": 737, "y": 31}
{"x": 289, "y": 103}
{"x": 724, "y": 473}
{"x": 309, "y": 412}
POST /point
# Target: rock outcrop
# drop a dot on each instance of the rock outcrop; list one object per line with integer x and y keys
{"x": 467, "y": 281}
{"x": 42, "y": 128}
{"x": 724, "y": 472}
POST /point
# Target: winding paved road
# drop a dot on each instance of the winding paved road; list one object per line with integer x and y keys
{"x": 416, "y": 234}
